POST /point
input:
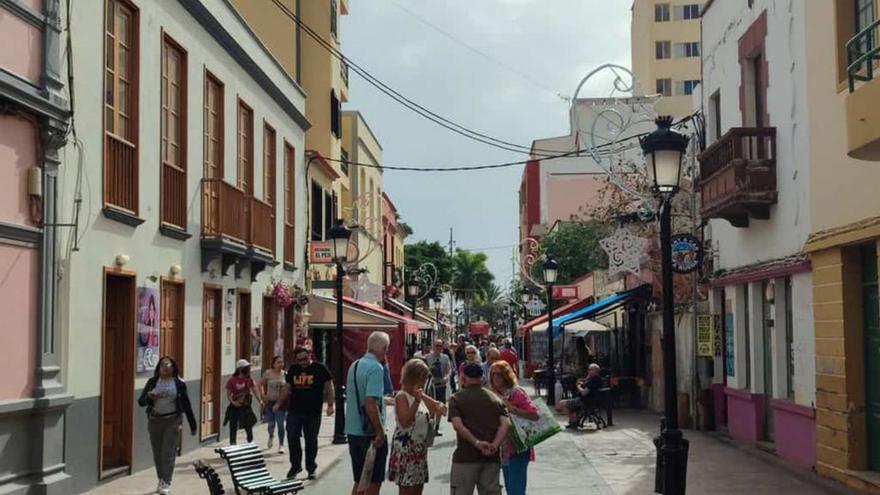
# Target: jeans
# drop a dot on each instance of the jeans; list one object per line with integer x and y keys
{"x": 275, "y": 419}
{"x": 516, "y": 473}
{"x": 164, "y": 434}
{"x": 306, "y": 425}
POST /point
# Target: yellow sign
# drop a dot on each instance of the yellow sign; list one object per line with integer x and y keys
{"x": 705, "y": 336}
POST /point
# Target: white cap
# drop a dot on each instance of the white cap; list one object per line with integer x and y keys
{"x": 242, "y": 363}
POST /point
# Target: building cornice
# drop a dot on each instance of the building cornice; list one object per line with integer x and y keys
{"x": 851, "y": 233}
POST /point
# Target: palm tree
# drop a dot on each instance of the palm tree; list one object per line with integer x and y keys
{"x": 470, "y": 278}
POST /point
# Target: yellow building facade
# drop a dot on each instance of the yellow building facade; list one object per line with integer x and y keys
{"x": 665, "y": 37}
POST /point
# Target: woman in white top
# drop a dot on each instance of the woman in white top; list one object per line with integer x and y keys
{"x": 416, "y": 414}
{"x": 272, "y": 384}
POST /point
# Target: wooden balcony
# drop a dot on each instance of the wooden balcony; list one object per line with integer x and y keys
{"x": 120, "y": 174}
{"x": 236, "y": 228}
{"x": 173, "y": 196}
{"x": 738, "y": 176}
{"x": 262, "y": 225}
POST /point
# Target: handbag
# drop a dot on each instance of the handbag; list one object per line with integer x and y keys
{"x": 366, "y": 424}
{"x": 527, "y": 433}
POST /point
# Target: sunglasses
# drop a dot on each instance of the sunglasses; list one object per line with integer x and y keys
{"x": 166, "y": 364}
{"x": 471, "y": 352}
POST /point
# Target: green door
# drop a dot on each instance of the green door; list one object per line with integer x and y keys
{"x": 871, "y": 306}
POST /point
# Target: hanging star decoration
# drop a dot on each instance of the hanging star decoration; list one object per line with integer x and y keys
{"x": 624, "y": 251}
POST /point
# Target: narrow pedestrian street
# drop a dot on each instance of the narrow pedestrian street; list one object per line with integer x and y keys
{"x": 618, "y": 460}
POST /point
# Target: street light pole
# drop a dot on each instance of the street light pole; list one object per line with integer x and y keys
{"x": 550, "y": 272}
{"x": 339, "y": 238}
{"x": 663, "y": 150}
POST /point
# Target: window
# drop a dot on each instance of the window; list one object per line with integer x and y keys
{"x": 690, "y": 11}
{"x": 335, "y": 117}
{"x": 661, "y": 12}
{"x": 329, "y": 217}
{"x": 864, "y": 17}
{"x": 664, "y": 87}
{"x": 289, "y": 203}
{"x": 173, "y": 142}
{"x": 689, "y": 49}
{"x": 269, "y": 164}
{"x": 687, "y": 87}
{"x": 121, "y": 105}
{"x": 213, "y": 166}
{"x": 334, "y": 19}
{"x": 715, "y": 115}
{"x": 317, "y": 212}
{"x": 663, "y": 49}
{"x": 344, "y": 165}
{"x": 245, "y": 159}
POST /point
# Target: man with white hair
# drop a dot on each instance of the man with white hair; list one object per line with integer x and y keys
{"x": 365, "y": 408}
{"x": 586, "y": 390}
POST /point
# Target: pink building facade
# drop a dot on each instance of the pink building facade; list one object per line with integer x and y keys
{"x": 33, "y": 126}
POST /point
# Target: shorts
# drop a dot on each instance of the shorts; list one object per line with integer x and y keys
{"x": 573, "y": 405}
{"x": 357, "y": 450}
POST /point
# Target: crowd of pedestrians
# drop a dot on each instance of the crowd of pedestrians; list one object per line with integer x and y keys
{"x": 473, "y": 386}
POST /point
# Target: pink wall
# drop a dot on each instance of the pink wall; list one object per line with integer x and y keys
{"x": 17, "y": 154}
{"x": 794, "y": 432}
{"x": 18, "y": 326}
{"x": 745, "y": 415}
{"x": 21, "y": 46}
{"x": 568, "y": 193}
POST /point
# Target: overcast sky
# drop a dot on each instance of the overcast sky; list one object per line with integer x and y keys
{"x": 495, "y": 66}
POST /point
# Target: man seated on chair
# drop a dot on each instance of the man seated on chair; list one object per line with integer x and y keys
{"x": 586, "y": 391}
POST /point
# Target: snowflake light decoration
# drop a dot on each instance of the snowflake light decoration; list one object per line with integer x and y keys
{"x": 624, "y": 251}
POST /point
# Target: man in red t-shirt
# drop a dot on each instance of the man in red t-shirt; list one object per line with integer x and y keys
{"x": 509, "y": 355}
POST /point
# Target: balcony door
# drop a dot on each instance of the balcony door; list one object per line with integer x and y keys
{"x": 211, "y": 336}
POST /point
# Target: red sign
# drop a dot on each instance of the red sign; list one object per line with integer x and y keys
{"x": 321, "y": 252}
{"x": 479, "y": 328}
{"x": 565, "y": 292}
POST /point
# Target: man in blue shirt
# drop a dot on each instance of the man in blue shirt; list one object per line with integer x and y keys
{"x": 365, "y": 411}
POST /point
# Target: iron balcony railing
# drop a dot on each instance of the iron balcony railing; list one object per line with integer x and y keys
{"x": 862, "y": 51}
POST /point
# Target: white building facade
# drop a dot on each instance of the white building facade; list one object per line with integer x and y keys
{"x": 755, "y": 187}
{"x": 190, "y": 172}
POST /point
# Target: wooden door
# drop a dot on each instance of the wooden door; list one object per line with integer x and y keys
{"x": 244, "y": 326}
{"x": 289, "y": 335}
{"x": 117, "y": 371}
{"x": 211, "y": 336}
{"x": 171, "y": 336}
{"x": 269, "y": 331}
{"x": 871, "y": 309}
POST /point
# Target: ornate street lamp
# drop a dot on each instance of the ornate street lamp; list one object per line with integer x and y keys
{"x": 437, "y": 301}
{"x": 412, "y": 290}
{"x": 551, "y": 270}
{"x": 339, "y": 236}
{"x": 664, "y": 150}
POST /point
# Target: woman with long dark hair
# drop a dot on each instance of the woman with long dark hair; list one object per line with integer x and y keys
{"x": 240, "y": 390}
{"x": 272, "y": 384}
{"x": 166, "y": 399}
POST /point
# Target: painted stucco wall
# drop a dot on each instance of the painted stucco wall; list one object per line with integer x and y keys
{"x": 803, "y": 341}
{"x": 568, "y": 195}
{"x": 22, "y": 43}
{"x": 785, "y": 48}
{"x": 19, "y": 288}
{"x": 843, "y": 190}
{"x": 18, "y": 152}
{"x": 151, "y": 253}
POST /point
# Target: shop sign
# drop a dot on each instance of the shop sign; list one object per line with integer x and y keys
{"x": 565, "y": 292}
{"x": 687, "y": 253}
{"x": 705, "y": 336}
{"x": 321, "y": 253}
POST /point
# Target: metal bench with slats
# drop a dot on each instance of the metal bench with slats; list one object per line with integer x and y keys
{"x": 249, "y": 473}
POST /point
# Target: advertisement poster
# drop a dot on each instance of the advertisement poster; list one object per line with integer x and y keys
{"x": 729, "y": 356}
{"x": 147, "y": 330}
{"x": 705, "y": 338}
{"x": 278, "y": 342}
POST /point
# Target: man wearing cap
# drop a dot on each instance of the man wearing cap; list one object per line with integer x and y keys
{"x": 481, "y": 423}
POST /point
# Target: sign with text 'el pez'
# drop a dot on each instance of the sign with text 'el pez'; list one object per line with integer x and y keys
{"x": 321, "y": 253}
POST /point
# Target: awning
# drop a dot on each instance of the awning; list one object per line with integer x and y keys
{"x": 578, "y": 328}
{"x": 398, "y": 307}
{"x": 601, "y": 306}
{"x": 479, "y": 328}
{"x": 412, "y": 326}
{"x": 323, "y": 315}
{"x": 559, "y": 311}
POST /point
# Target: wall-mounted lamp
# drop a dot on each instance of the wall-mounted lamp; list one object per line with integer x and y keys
{"x": 175, "y": 270}
{"x": 122, "y": 260}
{"x": 770, "y": 291}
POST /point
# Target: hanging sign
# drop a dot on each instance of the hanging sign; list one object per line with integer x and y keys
{"x": 535, "y": 306}
{"x": 705, "y": 336}
{"x": 687, "y": 253}
{"x": 321, "y": 252}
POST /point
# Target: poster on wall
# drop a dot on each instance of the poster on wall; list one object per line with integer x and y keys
{"x": 729, "y": 357}
{"x": 705, "y": 340}
{"x": 256, "y": 347}
{"x": 278, "y": 341}
{"x": 147, "y": 330}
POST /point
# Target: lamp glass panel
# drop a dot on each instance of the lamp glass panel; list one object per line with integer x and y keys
{"x": 667, "y": 167}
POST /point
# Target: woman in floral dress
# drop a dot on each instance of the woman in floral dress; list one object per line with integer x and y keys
{"x": 416, "y": 414}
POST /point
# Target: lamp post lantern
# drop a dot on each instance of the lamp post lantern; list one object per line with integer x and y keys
{"x": 339, "y": 236}
{"x": 664, "y": 150}
{"x": 437, "y": 301}
{"x": 412, "y": 290}
{"x": 550, "y": 272}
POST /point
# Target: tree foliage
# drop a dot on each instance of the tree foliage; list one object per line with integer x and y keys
{"x": 575, "y": 246}
{"x": 472, "y": 277}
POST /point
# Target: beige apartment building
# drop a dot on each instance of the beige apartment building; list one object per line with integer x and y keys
{"x": 666, "y": 50}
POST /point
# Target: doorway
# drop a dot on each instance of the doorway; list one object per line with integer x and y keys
{"x": 768, "y": 319}
{"x": 117, "y": 372}
{"x": 211, "y": 337}
{"x": 270, "y": 331}
{"x": 871, "y": 314}
{"x": 171, "y": 333}
{"x": 243, "y": 326}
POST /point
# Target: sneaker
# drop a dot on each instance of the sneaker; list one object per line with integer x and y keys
{"x": 271, "y": 441}
{"x": 293, "y": 473}
{"x": 164, "y": 488}
{"x": 312, "y": 475}
{"x": 281, "y": 449}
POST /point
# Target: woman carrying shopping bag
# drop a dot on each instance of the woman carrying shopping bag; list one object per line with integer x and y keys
{"x": 416, "y": 416}
{"x": 514, "y": 465}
